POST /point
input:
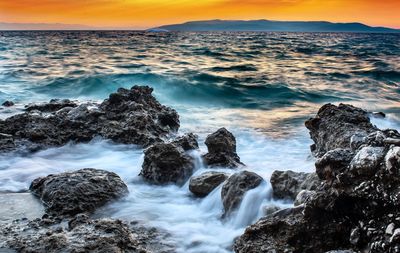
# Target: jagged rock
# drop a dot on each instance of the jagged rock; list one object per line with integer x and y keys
{"x": 8, "y": 103}
{"x": 287, "y": 184}
{"x": 392, "y": 160}
{"x": 270, "y": 209}
{"x": 357, "y": 139}
{"x": 205, "y": 183}
{"x": 129, "y": 116}
{"x": 366, "y": 161}
{"x": 332, "y": 163}
{"x": 166, "y": 163}
{"x": 356, "y": 202}
{"x": 82, "y": 235}
{"x": 334, "y": 126}
{"x": 187, "y": 142}
{"x": 303, "y": 197}
{"x": 221, "y": 147}
{"x": 235, "y": 187}
{"x": 80, "y": 191}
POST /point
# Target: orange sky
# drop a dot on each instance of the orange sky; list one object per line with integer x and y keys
{"x": 150, "y": 13}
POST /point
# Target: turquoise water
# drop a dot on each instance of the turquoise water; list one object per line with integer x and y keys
{"x": 261, "y": 86}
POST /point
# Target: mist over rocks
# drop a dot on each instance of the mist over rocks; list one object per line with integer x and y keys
{"x": 356, "y": 206}
{"x": 81, "y": 191}
{"x": 128, "y": 116}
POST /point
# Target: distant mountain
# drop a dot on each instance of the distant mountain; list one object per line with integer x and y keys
{"x": 270, "y": 26}
{"x": 43, "y": 26}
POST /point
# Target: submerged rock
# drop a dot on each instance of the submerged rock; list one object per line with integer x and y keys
{"x": 166, "y": 163}
{"x": 287, "y": 184}
{"x": 221, "y": 147}
{"x": 129, "y": 116}
{"x": 205, "y": 183}
{"x": 82, "y": 235}
{"x": 334, "y": 126}
{"x": 7, "y": 103}
{"x": 80, "y": 191}
{"x": 235, "y": 188}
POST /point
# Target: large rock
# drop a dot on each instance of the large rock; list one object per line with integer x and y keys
{"x": 166, "y": 163}
{"x": 205, "y": 183}
{"x": 356, "y": 207}
{"x": 334, "y": 126}
{"x": 79, "y": 236}
{"x": 333, "y": 162}
{"x": 80, "y": 191}
{"x": 130, "y": 116}
{"x": 235, "y": 188}
{"x": 221, "y": 147}
{"x": 287, "y": 184}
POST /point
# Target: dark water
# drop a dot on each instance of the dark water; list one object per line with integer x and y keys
{"x": 261, "y": 86}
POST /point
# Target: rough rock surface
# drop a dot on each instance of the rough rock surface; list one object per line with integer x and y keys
{"x": 187, "y": 142}
{"x": 7, "y": 103}
{"x": 352, "y": 210}
{"x": 205, "y": 183}
{"x": 221, "y": 147}
{"x": 79, "y": 236}
{"x": 166, "y": 163}
{"x": 235, "y": 187}
{"x": 334, "y": 126}
{"x": 80, "y": 191}
{"x": 287, "y": 184}
{"x": 130, "y": 116}
{"x": 303, "y": 197}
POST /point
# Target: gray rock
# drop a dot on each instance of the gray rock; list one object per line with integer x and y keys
{"x": 82, "y": 235}
{"x": 166, "y": 163}
{"x": 366, "y": 161}
{"x": 187, "y": 142}
{"x": 303, "y": 197}
{"x": 357, "y": 140}
{"x": 235, "y": 187}
{"x": 288, "y": 184}
{"x": 392, "y": 160}
{"x": 131, "y": 116}
{"x": 70, "y": 193}
{"x": 333, "y": 162}
{"x": 334, "y": 126}
{"x": 205, "y": 183}
{"x": 221, "y": 150}
{"x": 390, "y": 229}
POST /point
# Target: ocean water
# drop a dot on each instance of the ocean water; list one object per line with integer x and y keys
{"x": 261, "y": 86}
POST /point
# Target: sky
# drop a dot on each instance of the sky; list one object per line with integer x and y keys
{"x": 140, "y": 14}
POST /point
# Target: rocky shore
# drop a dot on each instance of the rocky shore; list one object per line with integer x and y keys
{"x": 349, "y": 204}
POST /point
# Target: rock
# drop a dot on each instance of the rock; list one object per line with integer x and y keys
{"x": 390, "y": 229}
{"x": 303, "y": 197}
{"x": 379, "y": 114}
{"x": 270, "y": 209}
{"x": 70, "y": 193}
{"x": 129, "y": 116}
{"x": 366, "y": 161}
{"x": 287, "y": 184}
{"x": 166, "y": 163}
{"x": 205, "y": 183}
{"x": 357, "y": 199}
{"x": 82, "y": 235}
{"x": 393, "y": 141}
{"x": 7, "y": 103}
{"x": 187, "y": 142}
{"x": 334, "y": 126}
{"x": 357, "y": 140}
{"x": 392, "y": 160}
{"x": 235, "y": 187}
{"x": 333, "y": 162}
{"x": 221, "y": 150}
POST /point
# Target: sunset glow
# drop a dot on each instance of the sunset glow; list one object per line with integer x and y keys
{"x": 150, "y": 13}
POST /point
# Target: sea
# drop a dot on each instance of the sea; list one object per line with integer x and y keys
{"x": 260, "y": 86}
